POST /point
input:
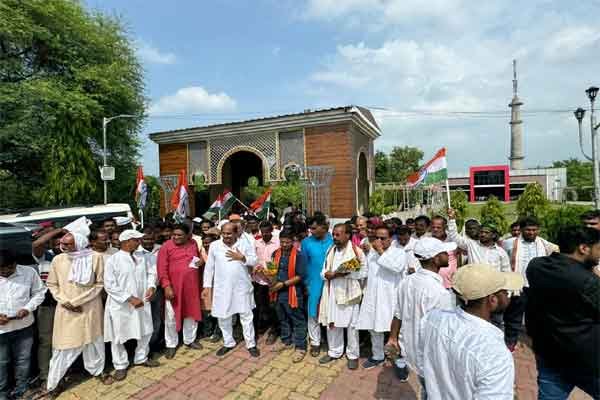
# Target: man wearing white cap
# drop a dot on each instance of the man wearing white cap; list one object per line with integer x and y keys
{"x": 130, "y": 281}
{"x": 418, "y": 294}
{"x": 463, "y": 355}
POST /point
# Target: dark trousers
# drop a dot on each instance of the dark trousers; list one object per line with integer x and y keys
{"x": 45, "y": 325}
{"x": 292, "y": 323}
{"x": 209, "y": 325}
{"x": 158, "y": 324}
{"x": 15, "y": 350}
{"x": 265, "y": 316}
{"x": 513, "y": 318}
{"x": 558, "y": 383}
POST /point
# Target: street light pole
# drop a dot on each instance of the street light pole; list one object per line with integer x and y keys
{"x": 105, "y": 122}
{"x": 592, "y": 92}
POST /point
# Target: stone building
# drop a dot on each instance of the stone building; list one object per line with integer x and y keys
{"x": 226, "y": 155}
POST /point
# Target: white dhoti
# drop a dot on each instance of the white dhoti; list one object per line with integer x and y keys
{"x": 314, "y": 331}
{"x": 335, "y": 340}
{"x": 93, "y": 361}
{"x": 377, "y": 351}
{"x": 190, "y": 328}
{"x": 120, "y": 357}
{"x": 226, "y": 325}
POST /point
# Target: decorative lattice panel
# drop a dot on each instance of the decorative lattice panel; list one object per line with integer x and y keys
{"x": 263, "y": 145}
{"x": 317, "y": 189}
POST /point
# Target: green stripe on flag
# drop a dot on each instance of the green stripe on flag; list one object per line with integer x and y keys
{"x": 436, "y": 177}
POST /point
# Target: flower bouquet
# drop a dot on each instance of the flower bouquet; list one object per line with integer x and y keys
{"x": 351, "y": 265}
{"x": 271, "y": 270}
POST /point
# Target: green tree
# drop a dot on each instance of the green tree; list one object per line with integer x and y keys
{"x": 285, "y": 192}
{"x": 403, "y": 161}
{"x": 493, "y": 212}
{"x": 62, "y": 69}
{"x": 580, "y": 176}
{"x": 377, "y": 204}
{"x": 532, "y": 202}
{"x": 555, "y": 218}
{"x": 382, "y": 167}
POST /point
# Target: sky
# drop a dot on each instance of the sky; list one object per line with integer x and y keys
{"x": 435, "y": 73}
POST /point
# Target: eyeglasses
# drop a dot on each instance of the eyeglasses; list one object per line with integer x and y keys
{"x": 381, "y": 238}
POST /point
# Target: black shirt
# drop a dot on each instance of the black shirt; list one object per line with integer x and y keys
{"x": 282, "y": 276}
{"x": 563, "y": 313}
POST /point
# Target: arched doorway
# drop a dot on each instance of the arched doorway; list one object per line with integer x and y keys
{"x": 238, "y": 168}
{"x": 362, "y": 184}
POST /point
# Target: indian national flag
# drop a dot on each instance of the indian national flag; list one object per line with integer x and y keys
{"x": 180, "y": 200}
{"x": 228, "y": 200}
{"x": 141, "y": 189}
{"x": 262, "y": 205}
{"x": 214, "y": 208}
{"x": 435, "y": 171}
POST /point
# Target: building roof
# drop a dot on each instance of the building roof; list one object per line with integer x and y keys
{"x": 360, "y": 115}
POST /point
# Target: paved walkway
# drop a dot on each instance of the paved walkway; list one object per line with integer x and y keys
{"x": 199, "y": 374}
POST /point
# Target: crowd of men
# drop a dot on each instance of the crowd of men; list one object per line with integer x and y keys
{"x": 444, "y": 304}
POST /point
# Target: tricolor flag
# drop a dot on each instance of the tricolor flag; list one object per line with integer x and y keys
{"x": 214, "y": 209}
{"x": 435, "y": 171}
{"x": 179, "y": 200}
{"x": 228, "y": 200}
{"x": 262, "y": 205}
{"x": 141, "y": 189}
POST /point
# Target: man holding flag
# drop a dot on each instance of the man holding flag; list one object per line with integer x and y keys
{"x": 180, "y": 200}
{"x": 141, "y": 193}
{"x": 433, "y": 172}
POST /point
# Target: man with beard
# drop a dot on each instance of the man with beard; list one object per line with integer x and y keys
{"x": 76, "y": 281}
{"x": 525, "y": 248}
{"x": 563, "y": 315}
{"x": 417, "y": 294}
{"x": 100, "y": 242}
{"x": 339, "y": 308}
{"x": 462, "y": 354}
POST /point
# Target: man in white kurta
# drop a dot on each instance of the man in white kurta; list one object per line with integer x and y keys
{"x": 341, "y": 296}
{"x": 385, "y": 266}
{"x": 130, "y": 282}
{"x": 227, "y": 273}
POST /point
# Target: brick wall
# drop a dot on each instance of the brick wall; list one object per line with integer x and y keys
{"x": 332, "y": 145}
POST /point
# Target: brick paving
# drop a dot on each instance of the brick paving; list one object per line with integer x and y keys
{"x": 199, "y": 374}
{"x": 526, "y": 375}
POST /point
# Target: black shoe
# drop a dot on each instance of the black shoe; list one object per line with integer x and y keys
{"x": 401, "y": 373}
{"x": 326, "y": 359}
{"x": 170, "y": 353}
{"x": 120, "y": 374}
{"x": 254, "y": 351}
{"x": 371, "y": 363}
{"x": 194, "y": 346}
{"x": 150, "y": 363}
{"x": 315, "y": 350}
{"x": 223, "y": 350}
{"x": 271, "y": 339}
{"x": 352, "y": 364}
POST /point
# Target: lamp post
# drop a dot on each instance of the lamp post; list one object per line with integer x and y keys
{"x": 105, "y": 122}
{"x": 591, "y": 92}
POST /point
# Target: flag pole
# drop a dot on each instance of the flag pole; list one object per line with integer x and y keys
{"x": 448, "y": 193}
{"x": 141, "y": 212}
{"x": 245, "y": 206}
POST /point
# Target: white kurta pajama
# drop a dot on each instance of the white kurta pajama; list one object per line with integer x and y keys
{"x": 126, "y": 276}
{"x": 340, "y": 302}
{"x": 231, "y": 289}
{"x": 384, "y": 273}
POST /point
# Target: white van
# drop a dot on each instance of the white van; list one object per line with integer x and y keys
{"x": 62, "y": 216}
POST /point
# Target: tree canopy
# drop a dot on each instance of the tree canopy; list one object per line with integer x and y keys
{"x": 580, "y": 176}
{"x": 398, "y": 164}
{"x": 62, "y": 69}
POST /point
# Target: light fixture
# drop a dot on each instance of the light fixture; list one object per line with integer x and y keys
{"x": 579, "y": 114}
{"x": 592, "y": 91}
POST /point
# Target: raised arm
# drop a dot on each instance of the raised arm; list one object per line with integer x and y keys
{"x": 393, "y": 259}
{"x": 455, "y": 237}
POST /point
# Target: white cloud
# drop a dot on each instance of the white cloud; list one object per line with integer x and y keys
{"x": 193, "y": 99}
{"x": 429, "y": 63}
{"x": 570, "y": 41}
{"x": 152, "y": 55}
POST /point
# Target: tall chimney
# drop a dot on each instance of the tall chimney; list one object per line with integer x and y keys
{"x": 516, "y": 128}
